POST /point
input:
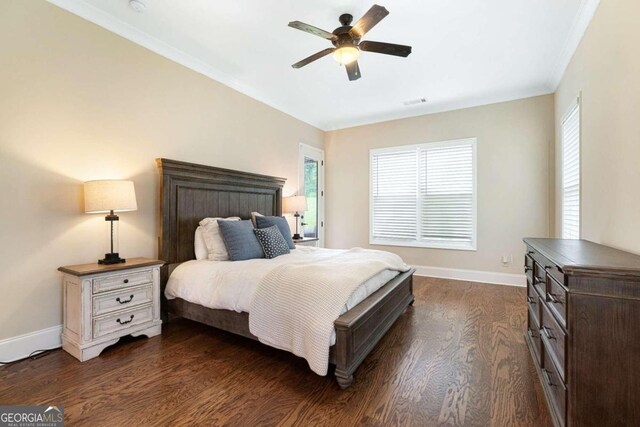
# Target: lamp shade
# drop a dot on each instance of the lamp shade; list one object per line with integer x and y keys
{"x": 109, "y": 195}
{"x": 294, "y": 204}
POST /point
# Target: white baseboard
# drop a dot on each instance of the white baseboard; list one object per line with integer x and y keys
{"x": 23, "y": 345}
{"x": 472, "y": 275}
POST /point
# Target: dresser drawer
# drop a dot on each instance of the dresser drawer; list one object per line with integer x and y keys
{"x": 121, "y": 320}
{"x": 554, "y": 338}
{"x": 108, "y": 283}
{"x": 557, "y": 300}
{"x": 528, "y": 267}
{"x": 533, "y": 331}
{"x": 533, "y": 302}
{"x": 539, "y": 279}
{"x": 555, "y": 272}
{"x": 122, "y": 299}
{"x": 556, "y": 389}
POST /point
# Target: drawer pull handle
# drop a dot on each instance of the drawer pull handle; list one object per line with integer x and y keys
{"x": 126, "y": 280}
{"x": 531, "y": 300}
{"x": 126, "y": 301}
{"x": 548, "y": 374}
{"x": 538, "y": 281}
{"x": 552, "y": 298}
{"x": 531, "y": 333}
{"x": 126, "y": 321}
{"x": 547, "y": 333}
{"x": 529, "y": 252}
{"x": 527, "y": 268}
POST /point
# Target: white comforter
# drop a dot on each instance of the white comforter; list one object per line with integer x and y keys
{"x": 232, "y": 285}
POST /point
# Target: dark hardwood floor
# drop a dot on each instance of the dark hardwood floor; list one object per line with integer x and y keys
{"x": 457, "y": 357}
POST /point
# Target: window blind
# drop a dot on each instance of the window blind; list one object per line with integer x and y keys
{"x": 424, "y": 195}
{"x": 394, "y": 188}
{"x": 446, "y": 194}
{"x": 571, "y": 174}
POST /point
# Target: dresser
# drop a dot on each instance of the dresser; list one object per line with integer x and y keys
{"x": 103, "y": 303}
{"x": 583, "y": 330}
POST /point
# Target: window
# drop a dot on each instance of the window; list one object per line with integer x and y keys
{"x": 571, "y": 173}
{"x": 424, "y": 195}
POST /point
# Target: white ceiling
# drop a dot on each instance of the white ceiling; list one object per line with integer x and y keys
{"x": 465, "y": 52}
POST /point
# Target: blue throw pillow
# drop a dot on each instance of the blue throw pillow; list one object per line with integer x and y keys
{"x": 272, "y": 241}
{"x": 240, "y": 240}
{"x": 281, "y": 223}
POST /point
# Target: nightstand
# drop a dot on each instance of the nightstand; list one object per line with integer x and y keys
{"x": 307, "y": 241}
{"x": 103, "y": 303}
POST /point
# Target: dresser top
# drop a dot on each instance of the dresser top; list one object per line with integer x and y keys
{"x": 583, "y": 256}
{"x": 95, "y": 268}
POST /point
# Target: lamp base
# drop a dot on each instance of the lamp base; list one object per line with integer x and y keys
{"x": 296, "y": 237}
{"x": 112, "y": 258}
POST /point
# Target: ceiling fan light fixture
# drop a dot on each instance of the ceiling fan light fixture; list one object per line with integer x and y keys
{"x": 346, "y": 54}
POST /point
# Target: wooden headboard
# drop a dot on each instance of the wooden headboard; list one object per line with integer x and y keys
{"x": 191, "y": 192}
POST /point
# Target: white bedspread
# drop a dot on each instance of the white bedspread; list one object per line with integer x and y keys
{"x": 232, "y": 285}
{"x": 295, "y": 306}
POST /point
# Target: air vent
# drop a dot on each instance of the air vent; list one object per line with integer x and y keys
{"x": 415, "y": 101}
{"x": 137, "y": 5}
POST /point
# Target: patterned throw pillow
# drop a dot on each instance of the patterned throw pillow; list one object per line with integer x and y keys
{"x": 280, "y": 222}
{"x": 272, "y": 242}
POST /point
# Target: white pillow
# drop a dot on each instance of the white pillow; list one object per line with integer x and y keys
{"x": 253, "y": 218}
{"x": 199, "y": 246}
{"x": 216, "y": 250}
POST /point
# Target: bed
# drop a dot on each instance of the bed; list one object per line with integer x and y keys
{"x": 190, "y": 192}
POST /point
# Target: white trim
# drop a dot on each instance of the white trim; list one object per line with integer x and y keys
{"x": 15, "y": 348}
{"x": 491, "y": 277}
{"x": 580, "y": 24}
{"x": 111, "y": 23}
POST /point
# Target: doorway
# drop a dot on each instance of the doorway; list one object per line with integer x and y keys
{"x": 311, "y": 182}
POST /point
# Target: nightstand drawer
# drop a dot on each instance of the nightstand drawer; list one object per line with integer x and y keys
{"x": 108, "y": 283}
{"x": 121, "y": 320}
{"x": 121, "y": 300}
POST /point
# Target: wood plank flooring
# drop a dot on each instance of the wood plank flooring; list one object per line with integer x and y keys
{"x": 457, "y": 357}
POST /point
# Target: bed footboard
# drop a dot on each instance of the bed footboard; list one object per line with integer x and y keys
{"x": 360, "y": 329}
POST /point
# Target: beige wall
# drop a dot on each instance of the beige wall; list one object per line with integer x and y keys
{"x": 78, "y": 103}
{"x": 513, "y": 163}
{"x": 606, "y": 70}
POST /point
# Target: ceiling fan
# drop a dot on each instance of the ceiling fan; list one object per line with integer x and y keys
{"x": 346, "y": 41}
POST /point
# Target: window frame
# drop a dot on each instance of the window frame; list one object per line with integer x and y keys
{"x": 576, "y": 103}
{"x": 423, "y": 243}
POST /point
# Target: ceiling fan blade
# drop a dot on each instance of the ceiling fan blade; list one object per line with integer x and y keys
{"x": 368, "y": 21}
{"x": 385, "y": 48}
{"x": 313, "y": 57}
{"x": 312, "y": 30}
{"x": 353, "y": 70}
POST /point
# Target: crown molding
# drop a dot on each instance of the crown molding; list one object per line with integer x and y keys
{"x": 429, "y": 109}
{"x": 111, "y": 23}
{"x": 580, "y": 24}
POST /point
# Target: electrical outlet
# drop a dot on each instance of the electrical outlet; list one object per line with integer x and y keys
{"x": 507, "y": 260}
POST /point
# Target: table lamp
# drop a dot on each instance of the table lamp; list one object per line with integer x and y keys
{"x": 110, "y": 196}
{"x": 295, "y": 204}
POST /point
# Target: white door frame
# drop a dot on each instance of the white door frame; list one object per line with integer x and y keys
{"x": 316, "y": 154}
